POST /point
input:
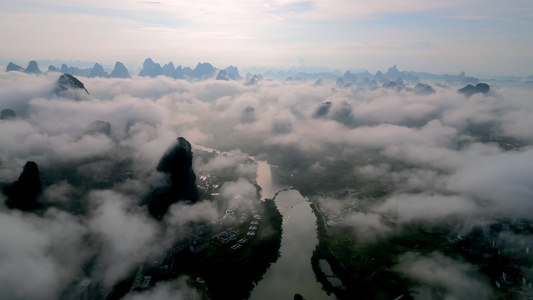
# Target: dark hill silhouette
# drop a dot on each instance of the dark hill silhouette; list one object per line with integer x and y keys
{"x": 233, "y": 71}
{"x": 98, "y": 127}
{"x": 64, "y": 69}
{"x": 98, "y": 71}
{"x": 222, "y": 75}
{"x": 177, "y": 164}
{"x": 203, "y": 71}
{"x": 187, "y": 71}
{"x": 33, "y": 68}
{"x": 343, "y": 113}
{"x": 168, "y": 69}
{"x": 119, "y": 71}
{"x": 7, "y": 114}
{"x": 151, "y": 69}
{"x": 52, "y": 68}
{"x": 339, "y": 83}
{"x": 252, "y": 80}
{"x": 178, "y": 73}
{"x": 349, "y": 77}
{"x": 13, "y": 67}
{"x": 379, "y": 76}
{"x": 424, "y": 89}
{"x": 67, "y": 82}
{"x": 322, "y": 110}
{"x": 390, "y": 85}
{"x": 248, "y": 115}
{"x": 24, "y": 193}
{"x": 470, "y": 90}
{"x": 393, "y": 72}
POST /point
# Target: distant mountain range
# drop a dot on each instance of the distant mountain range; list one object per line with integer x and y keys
{"x": 204, "y": 71}
{"x": 97, "y": 70}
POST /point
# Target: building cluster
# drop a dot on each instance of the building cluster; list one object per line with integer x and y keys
{"x": 517, "y": 281}
{"x": 225, "y": 237}
{"x": 161, "y": 268}
{"x": 506, "y": 247}
{"x": 231, "y": 217}
{"x": 252, "y": 230}
{"x": 220, "y": 233}
{"x": 209, "y": 184}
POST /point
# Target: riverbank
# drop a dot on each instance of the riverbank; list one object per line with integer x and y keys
{"x": 233, "y": 275}
{"x": 292, "y": 273}
{"x": 322, "y": 252}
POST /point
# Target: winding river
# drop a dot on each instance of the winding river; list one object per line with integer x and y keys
{"x": 291, "y": 273}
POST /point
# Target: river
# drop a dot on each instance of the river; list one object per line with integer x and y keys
{"x": 291, "y": 273}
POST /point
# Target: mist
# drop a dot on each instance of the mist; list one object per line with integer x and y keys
{"x": 428, "y": 151}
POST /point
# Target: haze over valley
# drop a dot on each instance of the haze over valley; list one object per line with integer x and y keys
{"x": 378, "y": 159}
{"x": 268, "y": 150}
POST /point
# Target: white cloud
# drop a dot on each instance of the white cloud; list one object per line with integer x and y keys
{"x": 428, "y": 208}
{"x": 445, "y": 277}
{"x": 501, "y": 181}
{"x": 178, "y": 289}
{"x": 126, "y": 233}
{"x": 40, "y": 255}
{"x": 434, "y": 167}
{"x": 180, "y": 216}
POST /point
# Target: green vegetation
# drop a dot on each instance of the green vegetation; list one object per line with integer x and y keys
{"x": 83, "y": 182}
{"x": 366, "y": 268}
{"x": 219, "y": 272}
{"x": 306, "y": 182}
{"x": 337, "y": 176}
{"x": 233, "y": 275}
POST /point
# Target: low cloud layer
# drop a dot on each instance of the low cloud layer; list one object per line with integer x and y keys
{"x": 40, "y": 255}
{"x": 442, "y": 155}
{"x": 443, "y": 277}
{"x": 167, "y": 291}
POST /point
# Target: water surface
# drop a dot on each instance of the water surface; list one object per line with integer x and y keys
{"x": 292, "y": 273}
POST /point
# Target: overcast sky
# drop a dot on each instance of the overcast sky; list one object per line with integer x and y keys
{"x": 481, "y": 37}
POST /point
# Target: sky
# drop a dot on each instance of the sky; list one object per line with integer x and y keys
{"x": 482, "y": 37}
